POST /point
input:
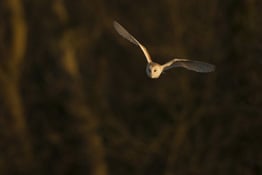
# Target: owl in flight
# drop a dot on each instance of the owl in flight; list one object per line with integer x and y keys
{"x": 153, "y": 69}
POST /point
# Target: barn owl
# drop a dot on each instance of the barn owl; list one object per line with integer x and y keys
{"x": 153, "y": 69}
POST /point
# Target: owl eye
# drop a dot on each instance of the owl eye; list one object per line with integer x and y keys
{"x": 154, "y": 70}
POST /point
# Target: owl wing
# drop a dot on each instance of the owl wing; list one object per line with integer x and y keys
{"x": 197, "y": 66}
{"x": 125, "y": 34}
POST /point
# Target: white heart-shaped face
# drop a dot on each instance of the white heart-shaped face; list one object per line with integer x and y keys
{"x": 154, "y": 70}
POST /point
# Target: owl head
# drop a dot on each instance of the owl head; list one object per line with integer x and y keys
{"x": 154, "y": 70}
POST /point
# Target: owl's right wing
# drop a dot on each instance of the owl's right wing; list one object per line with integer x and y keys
{"x": 125, "y": 34}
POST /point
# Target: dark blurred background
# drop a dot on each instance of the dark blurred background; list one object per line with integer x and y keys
{"x": 75, "y": 99}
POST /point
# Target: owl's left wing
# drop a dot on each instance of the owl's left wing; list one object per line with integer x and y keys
{"x": 197, "y": 66}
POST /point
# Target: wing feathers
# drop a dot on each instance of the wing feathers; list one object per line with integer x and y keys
{"x": 125, "y": 34}
{"x": 197, "y": 66}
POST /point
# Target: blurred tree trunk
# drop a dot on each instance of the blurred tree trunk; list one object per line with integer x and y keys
{"x": 17, "y": 153}
{"x": 88, "y": 124}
